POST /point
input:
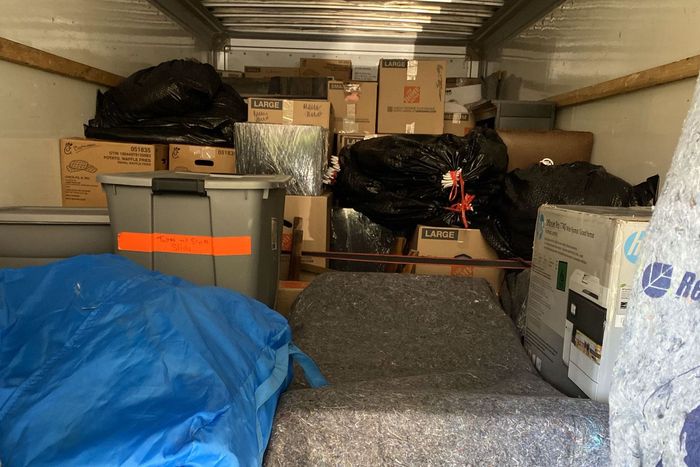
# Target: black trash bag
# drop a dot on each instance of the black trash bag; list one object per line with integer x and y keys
{"x": 511, "y": 231}
{"x": 176, "y": 87}
{"x": 399, "y": 181}
{"x": 210, "y": 126}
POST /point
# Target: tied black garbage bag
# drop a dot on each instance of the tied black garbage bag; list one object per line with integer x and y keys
{"x": 400, "y": 181}
{"x": 180, "y": 101}
{"x": 512, "y": 228}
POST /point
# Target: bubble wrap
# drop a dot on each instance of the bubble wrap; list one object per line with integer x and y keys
{"x": 424, "y": 370}
{"x": 655, "y": 396}
{"x": 297, "y": 150}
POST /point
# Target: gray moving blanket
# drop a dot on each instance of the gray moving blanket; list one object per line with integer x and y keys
{"x": 424, "y": 370}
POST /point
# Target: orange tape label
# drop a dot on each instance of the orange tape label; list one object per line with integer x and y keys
{"x": 184, "y": 244}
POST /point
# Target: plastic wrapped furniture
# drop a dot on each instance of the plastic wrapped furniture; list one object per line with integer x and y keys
{"x": 297, "y": 150}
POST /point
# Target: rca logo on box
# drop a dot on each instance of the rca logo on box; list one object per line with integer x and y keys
{"x": 411, "y": 94}
{"x": 657, "y": 280}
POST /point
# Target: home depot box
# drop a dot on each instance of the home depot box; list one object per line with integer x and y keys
{"x": 354, "y": 106}
{"x": 82, "y": 159}
{"x": 336, "y": 69}
{"x": 411, "y": 96}
{"x": 583, "y": 265}
{"x": 451, "y": 242}
{"x": 289, "y": 111}
{"x": 269, "y": 71}
{"x": 315, "y": 223}
{"x": 457, "y": 123}
{"x": 203, "y": 159}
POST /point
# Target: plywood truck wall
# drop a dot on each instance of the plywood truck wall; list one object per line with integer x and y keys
{"x": 584, "y": 43}
{"x": 39, "y": 107}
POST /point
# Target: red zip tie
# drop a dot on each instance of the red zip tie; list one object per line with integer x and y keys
{"x": 465, "y": 203}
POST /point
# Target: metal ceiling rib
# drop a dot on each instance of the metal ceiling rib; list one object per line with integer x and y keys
{"x": 427, "y": 21}
{"x": 480, "y": 23}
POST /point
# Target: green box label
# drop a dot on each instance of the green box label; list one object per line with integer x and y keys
{"x": 561, "y": 275}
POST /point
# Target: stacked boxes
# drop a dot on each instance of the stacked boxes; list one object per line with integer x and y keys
{"x": 82, "y": 160}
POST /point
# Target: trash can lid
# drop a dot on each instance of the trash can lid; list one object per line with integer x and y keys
{"x": 53, "y": 215}
{"x": 211, "y": 181}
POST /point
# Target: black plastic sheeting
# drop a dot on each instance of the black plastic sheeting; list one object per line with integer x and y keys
{"x": 397, "y": 181}
{"x": 511, "y": 229}
{"x": 180, "y": 101}
{"x": 352, "y": 231}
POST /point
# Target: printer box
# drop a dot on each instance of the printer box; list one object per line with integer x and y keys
{"x": 583, "y": 267}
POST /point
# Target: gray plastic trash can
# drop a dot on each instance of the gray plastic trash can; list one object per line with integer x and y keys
{"x": 32, "y": 236}
{"x": 209, "y": 229}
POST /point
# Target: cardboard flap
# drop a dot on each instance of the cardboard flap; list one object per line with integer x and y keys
{"x": 530, "y": 147}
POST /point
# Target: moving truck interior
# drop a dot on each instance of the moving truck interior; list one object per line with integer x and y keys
{"x": 349, "y": 232}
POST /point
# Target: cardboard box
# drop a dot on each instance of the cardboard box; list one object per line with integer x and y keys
{"x": 365, "y": 73}
{"x": 336, "y": 69}
{"x": 452, "y": 242}
{"x": 269, "y": 71}
{"x": 289, "y": 111}
{"x": 411, "y": 96}
{"x": 583, "y": 268}
{"x": 348, "y": 139}
{"x": 203, "y": 159}
{"x": 458, "y": 123}
{"x": 354, "y": 106}
{"x": 230, "y": 73}
{"x": 83, "y": 159}
{"x": 315, "y": 214}
{"x": 287, "y": 293}
{"x": 527, "y": 147}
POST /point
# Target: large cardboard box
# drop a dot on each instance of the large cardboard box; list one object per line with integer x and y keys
{"x": 452, "y": 242}
{"x": 365, "y": 73}
{"x": 527, "y": 147}
{"x": 202, "y": 159}
{"x": 289, "y": 111}
{"x": 411, "y": 96}
{"x": 269, "y": 71}
{"x": 354, "y": 106}
{"x": 315, "y": 214}
{"x": 336, "y": 69}
{"x": 458, "y": 123}
{"x": 348, "y": 139}
{"x": 83, "y": 159}
{"x": 287, "y": 293}
{"x": 583, "y": 267}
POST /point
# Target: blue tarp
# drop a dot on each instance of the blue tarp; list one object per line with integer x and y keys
{"x": 105, "y": 363}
